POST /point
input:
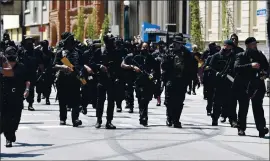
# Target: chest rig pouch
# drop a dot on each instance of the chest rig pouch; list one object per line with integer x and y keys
{"x": 178, "y": 64}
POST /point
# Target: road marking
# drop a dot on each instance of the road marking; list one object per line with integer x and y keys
{"x": 30, "y": 121}
{"x": 35, "y": 114}
{"x": 125, "y": 125}
{"x": 43, "y": 127}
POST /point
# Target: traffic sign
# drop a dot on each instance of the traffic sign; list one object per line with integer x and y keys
{"x": 41, "y": 28}
{"x": 261, "y": 12}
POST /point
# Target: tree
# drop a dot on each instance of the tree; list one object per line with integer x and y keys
{"x": 105, "y": 26}
{"x": 227, "y": 20}
{"x": 79, "y": 32}
{"x": 92, "y": 26}
{"x": 196, "y": 24}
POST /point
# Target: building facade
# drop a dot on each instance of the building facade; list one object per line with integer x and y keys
{"x": 152, "y": 11}
{"x": 13, "y": 27}
{"x": 36, "y": 19}
{"x": 246, "y": 21}
{"x": 63, "y": 16}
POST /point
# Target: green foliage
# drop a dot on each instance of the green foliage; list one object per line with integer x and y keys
{"x": 196, "y": 25}
{"x": 79, "y": 32}
{"x": 92, "y": 26}
{"x": 225, "y": 24}
{"x": 105, "y": 26}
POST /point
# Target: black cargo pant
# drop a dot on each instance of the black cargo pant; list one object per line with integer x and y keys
{"x": 89, "y": 93}
{"x": 129, "y": 91}
{"x": 175, "y": 94}
{"x": 192, "y": 85}
{"x": 120, "y": 95}
{"x": 157, "y": 90}
{"x": 222, "y": 100}
{"x": 69, "y": 96}
{"x": 209, "y": 94}
{"x": 11, "y": 113}
{"x": 144, "y": 94}
{"x": 104, "y": 88}
{"x": 257, "y": 107}
{"x": 44, "y": 87}
{"x": 31, "y": 96}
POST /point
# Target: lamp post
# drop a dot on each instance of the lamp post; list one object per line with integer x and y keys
{"x": 126, "y": 20}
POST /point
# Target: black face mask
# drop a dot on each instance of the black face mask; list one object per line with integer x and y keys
{"x": 252, "y": 52}
{"x": 226, "y": 51}
{"x": 12, "y": 58}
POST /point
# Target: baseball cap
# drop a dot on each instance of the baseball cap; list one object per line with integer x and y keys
{"x": 250, "y": 40}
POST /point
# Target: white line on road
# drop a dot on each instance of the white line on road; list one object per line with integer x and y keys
{"x": 44, "y": 127}
{"x": 35, "y": 114}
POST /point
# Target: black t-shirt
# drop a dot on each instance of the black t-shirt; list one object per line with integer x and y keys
{"x": 17, "y": 82}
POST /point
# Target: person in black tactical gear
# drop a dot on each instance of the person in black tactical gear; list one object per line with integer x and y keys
{"x": 236, "y": 49}
{"x": 89, "y": 91}
{"x": 32, "y": 59}
{"x": 208, "y": 82}
{"x": 120, "y": 81}
{"x": 250, "y": 68}
{"x": 108, "y": 75}
{"x": 130, "y": 77}
{"x": 176, "y": 67}
{"x": 15, "y": 89}
{"x": 212, "y": 49}
{"x": 158, "y": 55}
{"x": 144, "y": 65}
{"x": 222, "y": 65}
{"x": 194, "y": 72}
{"x": 45, "y": 78}
{"x": 68, "y": 84}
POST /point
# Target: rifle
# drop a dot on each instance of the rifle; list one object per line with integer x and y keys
{"x": 144, "y": 72}
{"x": 66, "y": 62}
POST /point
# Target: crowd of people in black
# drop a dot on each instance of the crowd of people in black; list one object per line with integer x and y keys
{"x": 91, "y": 73}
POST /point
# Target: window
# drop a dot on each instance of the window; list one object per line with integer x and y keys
{"x": 27, "y": 4}
{"x": 54, "y": 4}
{"x": 238, "y": 14}
{"x": 74, "y": 4}
{"x": 209, "y": 14}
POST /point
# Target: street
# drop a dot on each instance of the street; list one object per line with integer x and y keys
{"x": 40, "y": 137}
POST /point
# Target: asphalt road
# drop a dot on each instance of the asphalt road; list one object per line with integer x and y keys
{"x": 41, "y": 138}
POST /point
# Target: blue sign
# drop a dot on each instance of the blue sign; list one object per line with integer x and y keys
{"x": 148, "y": 27}
{"x": 261, "y": 12}
{"x": 189, "y": 46}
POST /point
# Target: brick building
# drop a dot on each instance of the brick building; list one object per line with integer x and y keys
{"x": 63, "y": 15}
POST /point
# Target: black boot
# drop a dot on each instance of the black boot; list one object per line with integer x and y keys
{"x": 62, "y": 122}
{"x": 77, "y": 123}
{"x": 241, "y": 132}
{"x": 39, "y": 98}
{"x": 144, "y": 122}
{"x": 119, "y": 109}
{"x": 234, "y": 124}
{"x": 30, "y": 107}
{"x": 130, "y": 110}
{"x": 263, "y": 132}
{"x": 177, "y": 124}
{"x": 13, "y": 138}
{"x": 194, "y": 93}
{"x": 8, "y": 144}
{"x": 109, "y": 125}
{"x": 168, "y": 122}
{"x": 98, "y": 124}
{"x": 84, "y": 110}
{"x": 214, "y": 122}
{"x": 223, "y": 119}
{"x": 189, "y": 92}
{"x": 48, "y": 101}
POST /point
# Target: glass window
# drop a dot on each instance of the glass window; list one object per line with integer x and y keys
{"x": 54, "y": 4}
{"x": 239, "y": 13}
{"x": 74, "y": 3}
